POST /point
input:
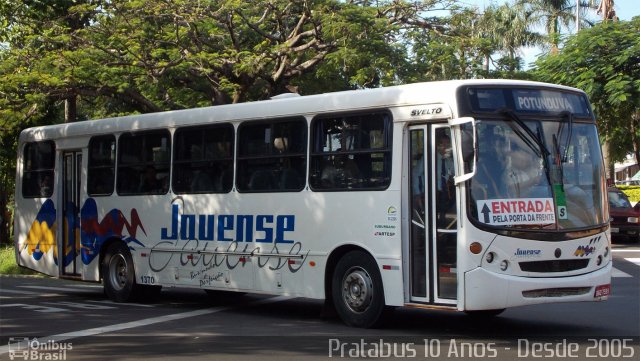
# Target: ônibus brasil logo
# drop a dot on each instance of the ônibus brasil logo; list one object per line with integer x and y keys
{"x": 23, "y": 348}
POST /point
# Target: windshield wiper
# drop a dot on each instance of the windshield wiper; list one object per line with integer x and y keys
{"x": 557, "y": 137}
{"x": 561, "y": 149}
{"x": 531, "y": 139}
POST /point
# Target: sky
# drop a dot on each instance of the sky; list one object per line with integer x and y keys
{"x": 625, "y": 9}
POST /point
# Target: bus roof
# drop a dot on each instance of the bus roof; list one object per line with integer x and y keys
{"x": 351, "y": 100}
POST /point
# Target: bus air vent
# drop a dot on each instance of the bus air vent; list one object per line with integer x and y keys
{"x": 554, "y": 265}
{"x": 556, "y": 292}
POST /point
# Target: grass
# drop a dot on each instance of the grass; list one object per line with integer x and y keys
{"x": 8, "y": 264}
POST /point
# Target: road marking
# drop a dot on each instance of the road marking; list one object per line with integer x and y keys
{"x": 144, "y": 322}
{"x": 624, "y": 250}
{"x": 633, "y": 260}
{"x": 29, "y": 293}
{"x": 83, "y": 306}
{"x": 89, "y": 286}
{"x": 109, "y": 302}
{"x": 37, "y": 308}
{"x": 67, "y": 289}
{"x": 620, "y": 274}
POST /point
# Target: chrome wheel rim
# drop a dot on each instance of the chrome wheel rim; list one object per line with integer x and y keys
{"x": 357, "y": 289}
{"x": 118, "y": 271}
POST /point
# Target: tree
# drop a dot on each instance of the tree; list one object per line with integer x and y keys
{"x": 554, "y": 14}
{"x": 505, "y": 30}
{"x": 604, "y": 61}
{"x": 84, "y": 59}
{"x": 118, "y": 57}
{"x": 472, "y": 44}
{"x": 606, "y": 10}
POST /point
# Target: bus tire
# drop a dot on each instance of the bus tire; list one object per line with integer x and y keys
{"x": 118, "y": 274}
{"x": 358, "y": 294}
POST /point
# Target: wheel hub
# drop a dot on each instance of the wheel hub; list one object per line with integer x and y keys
{"x": 118, "y": 274}
{"x": 357, "y": 289}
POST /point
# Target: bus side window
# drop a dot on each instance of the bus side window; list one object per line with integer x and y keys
{"x": 203, "y": 159}
{"x": 38, "y": 169}
{"x": 101, "y": 166}
{"x": 351, "y": 152}
{"x": 143, "y": 162}
{"x": 272, "y": 155}
{"x": 262, "y": 180}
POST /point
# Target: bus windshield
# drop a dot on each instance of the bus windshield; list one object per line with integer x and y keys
{"x": 535, "y": 174}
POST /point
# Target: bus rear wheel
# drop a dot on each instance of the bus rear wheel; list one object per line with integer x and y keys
{"x": 357, "y": 290}
{"x": 118, "y": 274}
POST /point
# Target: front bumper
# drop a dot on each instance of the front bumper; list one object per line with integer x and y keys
{"x": 486, "y": 290}
{"x": 631, "y": 232}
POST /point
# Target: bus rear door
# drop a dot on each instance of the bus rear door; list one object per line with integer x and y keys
{"x": 69, "y": 241}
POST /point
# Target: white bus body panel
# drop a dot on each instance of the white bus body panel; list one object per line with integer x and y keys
{"x": 35, "y": 230}
{"x": 36, "y": 227}
{"x": 324, "y": 221}
{"x": 481, "y": 295}
{"x": 489, "y": 287}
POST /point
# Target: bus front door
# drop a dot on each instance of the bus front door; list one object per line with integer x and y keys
{"x": 69, "y": 250}
{"x": 432, "y": 245}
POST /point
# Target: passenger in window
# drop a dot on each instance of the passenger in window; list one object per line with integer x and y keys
{"x": 201, "y": 181}
{"x": 488, "y": 182}
{"x": 525, "y": 176}
{"x": 418, "y": 185}
{"x": 444, "y": 177}
{"x": 342, "y": 172}
{"x": 150, "y": 182}
{"x": 45, "y": 186}
{"x": 289, "y": 179}
{"x": 262, "y": 180}
{"x": 281, "y": 144}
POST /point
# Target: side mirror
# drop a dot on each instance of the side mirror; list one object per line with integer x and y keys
{"x": 637, "y": 207}
{"x": 465, "y": 140}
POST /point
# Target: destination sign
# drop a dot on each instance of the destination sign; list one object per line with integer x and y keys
{"x": 528, "y": 101}
{"x": 547, "y": 101}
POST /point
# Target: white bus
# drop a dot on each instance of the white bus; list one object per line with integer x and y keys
{"x": 473, "y": 195}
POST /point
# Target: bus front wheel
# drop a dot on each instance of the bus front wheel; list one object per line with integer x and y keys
{"x": 357, "y": 290}
{"x": 118, "y": 273}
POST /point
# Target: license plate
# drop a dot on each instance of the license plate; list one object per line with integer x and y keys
{"x": 602, "y": 291}
{"x": 615, "y": 230}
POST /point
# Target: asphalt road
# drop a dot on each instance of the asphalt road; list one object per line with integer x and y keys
{"x": 188, "y": 324}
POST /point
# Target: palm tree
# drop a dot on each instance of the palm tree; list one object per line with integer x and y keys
{"x": 556, "y": 13}
{"x": 506, "y": 28}
{"x": 606, "y": 10}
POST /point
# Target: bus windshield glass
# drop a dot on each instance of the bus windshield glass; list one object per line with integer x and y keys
{"x": 535, "y": 174}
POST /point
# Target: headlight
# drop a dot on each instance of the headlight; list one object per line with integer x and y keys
{"x": 490, "y": 257}
{"x": 504, "y": 265}
{"x": 632, "y": 219}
